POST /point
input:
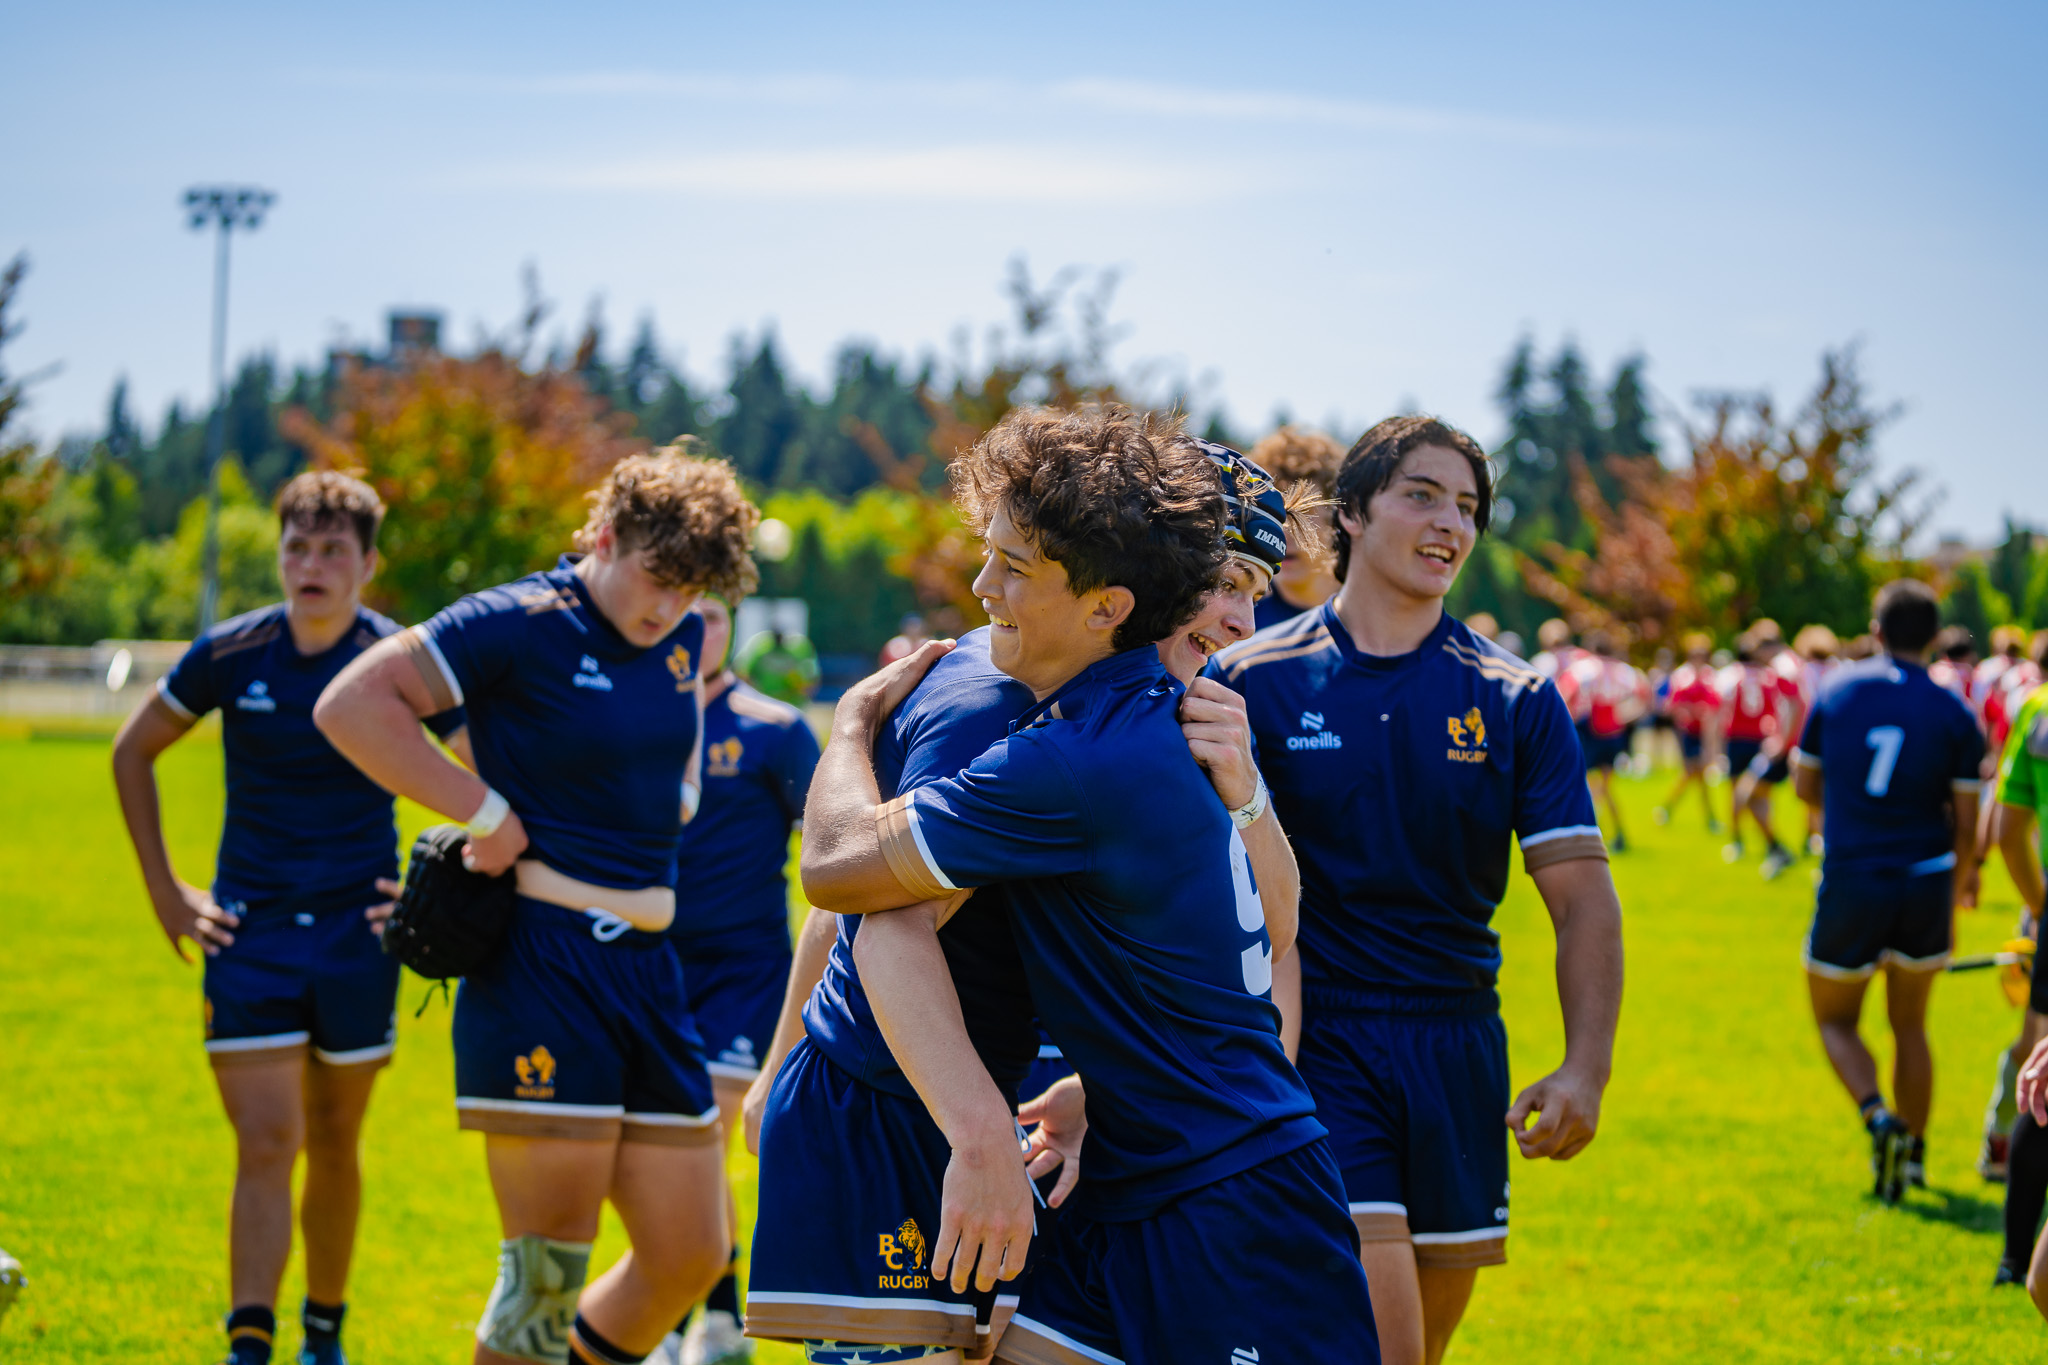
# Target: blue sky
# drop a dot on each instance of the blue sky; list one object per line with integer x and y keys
{"x": 1335, "y": 210}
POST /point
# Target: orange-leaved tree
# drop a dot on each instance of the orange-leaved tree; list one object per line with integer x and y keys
{"x": 31, "y": 544}
{"x": 1764, "y": 516}
{"x": 483, "y": 461}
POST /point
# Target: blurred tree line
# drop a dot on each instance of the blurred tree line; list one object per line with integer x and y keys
{"x": 484, "y": 457}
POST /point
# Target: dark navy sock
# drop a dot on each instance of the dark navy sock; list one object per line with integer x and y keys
{"x": 251, "y": 1329}
{"x": 590, "y": 1344}
{"x": 322, "y": 1321}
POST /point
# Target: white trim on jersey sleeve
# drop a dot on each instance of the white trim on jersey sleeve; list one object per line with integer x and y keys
{"x": 924, "y": 849}
{"x": 441, "y": 662}
{"x": 1564, "y": 832}
{"x": 163, "y": 689}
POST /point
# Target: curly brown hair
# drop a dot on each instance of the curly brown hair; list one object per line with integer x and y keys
{"x": 1293, "y": 455}
{"x": 324, "y": 498}
{"x": 686, "y": 512}
{"x": 1116, "y": 498}
{"x": 1372, "y": 463}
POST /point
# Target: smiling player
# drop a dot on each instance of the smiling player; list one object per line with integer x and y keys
{"x": 1359, "y": 708}
{"x": 574, "y": 1052}
{"x": 298, "y": 996}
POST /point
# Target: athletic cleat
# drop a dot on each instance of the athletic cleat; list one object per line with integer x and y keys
{"x": 1991, "y": 1157}
{"x": 328, "y": 1352}
{"x": 1732, "y": 853}
{"x": 11, "y": 1282}
{"x": 1776, "y": 860}
{"x": 1889, "y": 1143}
{"x": 2008, "y": 1273}
{"x": 1713, "y": 825}
{"x": 714, "y": 1338}
{"x": 1618, "y": 844}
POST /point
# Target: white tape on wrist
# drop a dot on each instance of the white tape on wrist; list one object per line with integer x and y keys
{"x": 489, "y": 815}
{"x": 692, "y": 798}
{"x": 1247, "y": 815}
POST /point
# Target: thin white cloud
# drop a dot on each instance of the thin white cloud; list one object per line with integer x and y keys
{"x": 989, "y": 174}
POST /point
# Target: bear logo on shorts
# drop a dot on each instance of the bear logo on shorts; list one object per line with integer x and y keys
{"x": 536, "y": 1074}
{"x": 907, "y": 1240}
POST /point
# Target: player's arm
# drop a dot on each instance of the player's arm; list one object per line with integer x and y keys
{"x": 693, "y": 771}
{"x": 2016, "y": 842}
{"x": 806, "y": 970}
{"x": 1219, "y": 735}
{"x": 1964, "y": 799}
{"x": 1807, "y": 761}
{"x": 371, "y": 714}
{"x": 184, "y": 911}
{"x": 843, "y": 866}
{"x": 1579, "y": 893}
{"x": 1287, "y": 999}
{"x": 986, "y": 1211}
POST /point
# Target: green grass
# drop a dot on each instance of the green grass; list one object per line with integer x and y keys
{"x": 1721, "y": 1215}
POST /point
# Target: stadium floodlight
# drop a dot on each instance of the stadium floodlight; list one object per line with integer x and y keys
{"x": 224, "y": 207}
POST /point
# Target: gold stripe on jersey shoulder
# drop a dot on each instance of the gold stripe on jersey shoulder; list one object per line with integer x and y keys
{"x": 243, "y": 641}
{"x": 1279, "y": 651}
{"x": 548, "y": 599}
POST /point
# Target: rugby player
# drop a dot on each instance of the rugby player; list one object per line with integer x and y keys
{"x": 574, "y": 1052}
{"x": 1897, "y": 789}
{"x": 1695, "y": 706}
{"x": 1759, "y": 722}
{"x": 1605, "y": 696}
{"x": 1403, "y": 753}
{"x": 1144, "y": 937}
{"x": 298, "y": 998}
{"x": 733, "y": 938}
{"x": 2022, "y": 813}
{"x": 1294, "y": 456}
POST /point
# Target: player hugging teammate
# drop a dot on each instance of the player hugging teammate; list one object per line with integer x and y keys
{"x": 575, "y": 1054}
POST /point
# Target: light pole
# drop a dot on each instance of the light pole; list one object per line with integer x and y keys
{"x": 227, "y": 207}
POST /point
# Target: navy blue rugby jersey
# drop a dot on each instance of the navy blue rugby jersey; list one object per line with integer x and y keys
{"x": 964, "y": 705}
{"x": 732, "y": 895}
{"x": 301, "y": 819}
{"x": 1132, "y": 898}
{"x": 1892, "y": 746}
{"x": 584, "y": 733}
{"x": 1400, "y": 781}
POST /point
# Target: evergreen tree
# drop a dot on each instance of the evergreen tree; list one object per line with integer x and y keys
{"x": 765, "y": 419}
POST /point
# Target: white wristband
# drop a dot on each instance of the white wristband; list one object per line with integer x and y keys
{"x": 1247, "y": 815}
{"x": 489, "y": 815}
{"x": 692, "y": 798}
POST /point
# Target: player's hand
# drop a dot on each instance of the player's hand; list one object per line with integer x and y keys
{"x": 379, "y": 914}
{"x": 874, "y": 698}
{"x": 188, "y": 912}
{"x": 1061, "y": 1116}
{"x": 985, "y": 1214}
{"x": 1969, "y": 878}
{"x": 493, "y": 855}
{"x": 1219, "y": 735}
{"x": 2031, "y": 1094}
{"x": 1570, "y": 1107}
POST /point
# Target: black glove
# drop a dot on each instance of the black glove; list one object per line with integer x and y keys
{"x": 449, "y": 920}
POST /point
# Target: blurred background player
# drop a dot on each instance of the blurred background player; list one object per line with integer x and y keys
{"x": 1695, "y": 710}
{"x": 1292, "y": 456}
{"x": 299, "y": 998}
{"x": 1554, "y": 648}
{"x": 2022, "y": 815}
{"x": 1759, "y": 710}
{"x": 781, "y": 665}
{"x": 732, "y": 926}
{"x": 911, "y": 632}
{"x": 1357, "y": 706}
{"x": 574, "y": 1051}
{"x": 1605, "y": 696}
{"x": 1817, "y": 652}
{"x": 1892, "y": 761}
{"x": 1953, "y": 664}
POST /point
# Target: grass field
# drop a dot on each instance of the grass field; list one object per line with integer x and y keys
{"x": 1721, "y": 1215}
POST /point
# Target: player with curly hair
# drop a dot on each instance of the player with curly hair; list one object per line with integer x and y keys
{"x": 575, "y": 1054}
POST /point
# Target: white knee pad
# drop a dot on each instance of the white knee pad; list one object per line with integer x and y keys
{"x": 533, "y": 1303}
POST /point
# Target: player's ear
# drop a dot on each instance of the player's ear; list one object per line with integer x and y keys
{"x": 369, "y": 563}
{"x": 1351, "y": 521}
{"x": 1113, "y": 606}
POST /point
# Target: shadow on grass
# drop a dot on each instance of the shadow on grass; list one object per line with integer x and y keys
{"x": 1966, "y": 1211}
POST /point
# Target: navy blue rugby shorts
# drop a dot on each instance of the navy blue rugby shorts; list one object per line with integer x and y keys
{"x": 302, "y": 974}
{"x": 1862, "y": 920}
{"x": 1689, "y": 747}
{"x": 1742, "y": 753}
{"x": 580, "y": 1028}
{"x": 736, "y": 998}
{"x": 1260, "y": 1266}
{"x": 851, "y": 1184}
{"x": 1415, "y": 1093}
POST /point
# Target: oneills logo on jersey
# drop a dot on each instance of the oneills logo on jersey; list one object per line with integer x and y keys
{"x": 1468, "y": 736}
{"x": 679, "y": 663}
{"x": 589, "y": 675}
{"x": 536, "y": 1074}
{"x": 902, "y": 1251}
{"x": 257, "y": 698}
{"x": 1317, "y": 737}
{"x": 1244, "y": 1355}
